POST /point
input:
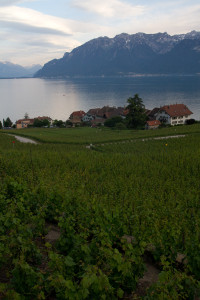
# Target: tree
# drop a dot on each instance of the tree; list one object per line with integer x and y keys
{"x": 113, "y": 121}
{"x": 0, "y": 125}
{"x": 68, "y": 123}
{"x": 37, "y": 123}
{"x": 136, "y": 116}
{"x": 190, "y": 121}
{"x": 58, "y": 123}
{"x": 41, "y": 123}
{"x": 7, "y": 122}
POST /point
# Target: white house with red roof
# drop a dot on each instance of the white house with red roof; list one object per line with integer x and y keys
{"x": 174, "y": 114}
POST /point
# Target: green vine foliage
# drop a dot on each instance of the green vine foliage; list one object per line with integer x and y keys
{"x": 107, "y": 207}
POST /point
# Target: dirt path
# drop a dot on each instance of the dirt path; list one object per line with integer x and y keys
{"x": 145, "y": 139}
{"x": 24, "y": 140}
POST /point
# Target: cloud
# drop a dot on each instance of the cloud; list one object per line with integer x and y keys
{"x": 110, "y": 9}
{"x": 161, "y": 17}
{"x": 32, "y": 29}
{"x": 24, "y": 17}
{"x": 27, "y": 34}
{"x": 20, "y": 17}
{"x": 11, "y": 2}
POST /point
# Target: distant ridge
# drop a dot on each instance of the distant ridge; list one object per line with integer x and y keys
{"x": 9, "y": 70}
{"x": 126, "y": 54}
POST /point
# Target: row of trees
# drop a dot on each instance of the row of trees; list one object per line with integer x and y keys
{"x": 6, "y": 123}
{"x": 37, "y": 123}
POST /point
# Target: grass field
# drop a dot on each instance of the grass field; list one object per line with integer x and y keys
{"x": 87, "y": 200}
{"x": 87, "y": 135}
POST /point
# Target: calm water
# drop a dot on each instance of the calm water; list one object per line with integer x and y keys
{"x": 58, "y": 98}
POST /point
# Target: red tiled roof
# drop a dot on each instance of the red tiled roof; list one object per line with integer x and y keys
{"x": 154, "y": 123}
{"x": 176, "y": 110}
{"x": 43, "y": 118}
{"x": 108, "y": 112}
{"x": 94, "y": 111}
{"x": 23, "y": 120}
{"x": 79, "y": 114}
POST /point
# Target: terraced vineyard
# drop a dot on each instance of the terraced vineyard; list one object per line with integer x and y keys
{"x": 79, "y": 223}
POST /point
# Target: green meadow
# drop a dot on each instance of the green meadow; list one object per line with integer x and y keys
{"x": 78, "y": 223}
{"x": 87, "y": 135}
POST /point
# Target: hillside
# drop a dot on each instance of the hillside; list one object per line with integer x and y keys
{"x": 129, "y": 54}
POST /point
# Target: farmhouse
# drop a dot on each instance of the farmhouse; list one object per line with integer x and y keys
{"x": 154, "y": 124}
{"x": 107, "y": 112}
{"x": 87, "y": 118}
{"x": 173, "y": 114}
{"x": 76, "y": 116}
{"x": 23, "y": 123}
{"x": 151, "y": 114}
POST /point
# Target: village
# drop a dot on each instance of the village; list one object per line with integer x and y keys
{"x": 173, "y": 114}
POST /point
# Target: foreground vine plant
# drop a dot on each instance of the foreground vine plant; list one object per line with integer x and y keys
{"x": 93, "y": 199}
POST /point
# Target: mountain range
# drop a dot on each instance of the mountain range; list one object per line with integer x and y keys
{"x": 126, "y": 54}
{"x": 10, "y": 70}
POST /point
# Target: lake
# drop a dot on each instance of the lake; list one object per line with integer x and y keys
{"x": 58, "y": 98}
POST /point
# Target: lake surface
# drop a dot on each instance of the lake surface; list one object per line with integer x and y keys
{"x": 59, "y": 98}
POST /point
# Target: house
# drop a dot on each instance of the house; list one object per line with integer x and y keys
{"x": 87, "y": 118}
{"x": 151, "y": 114}
{"x": 97, "y": 121}
{"x": 107, "y": 112}
{"x": 77, "y": 115}
{"x": 153, "y": 124}
{"x": 173, "y": 114}
{"x": 95, "y": 112}
{"x": 24, "y": 123}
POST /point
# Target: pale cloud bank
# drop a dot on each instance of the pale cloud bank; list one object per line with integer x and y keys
{"x": 12, "y": 2}
{"x": 111, "y": 8}
{"x": 34, "y": 31}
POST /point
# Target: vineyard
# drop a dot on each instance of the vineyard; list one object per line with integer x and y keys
{"x": 86, "y": 135}
{"x": 80, "y": 223}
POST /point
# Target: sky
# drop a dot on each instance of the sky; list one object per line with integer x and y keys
{"x": 36, "y": 31}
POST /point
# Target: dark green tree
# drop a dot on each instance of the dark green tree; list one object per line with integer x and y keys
{"x": 45, "y": 123}
{"x": 37, "y": 123}
{"x": 113, "y": 121}
{"x": 1, "y": 125}
{"x": 58, "y": 123}
{"x": 7, "y": 122}
{"x": 41, "y": 123}
{"x": 68, "y": 123}
{"x": 136, "y": 116}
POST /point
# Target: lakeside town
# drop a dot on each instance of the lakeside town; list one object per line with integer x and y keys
{"x": 173, "y": 114}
